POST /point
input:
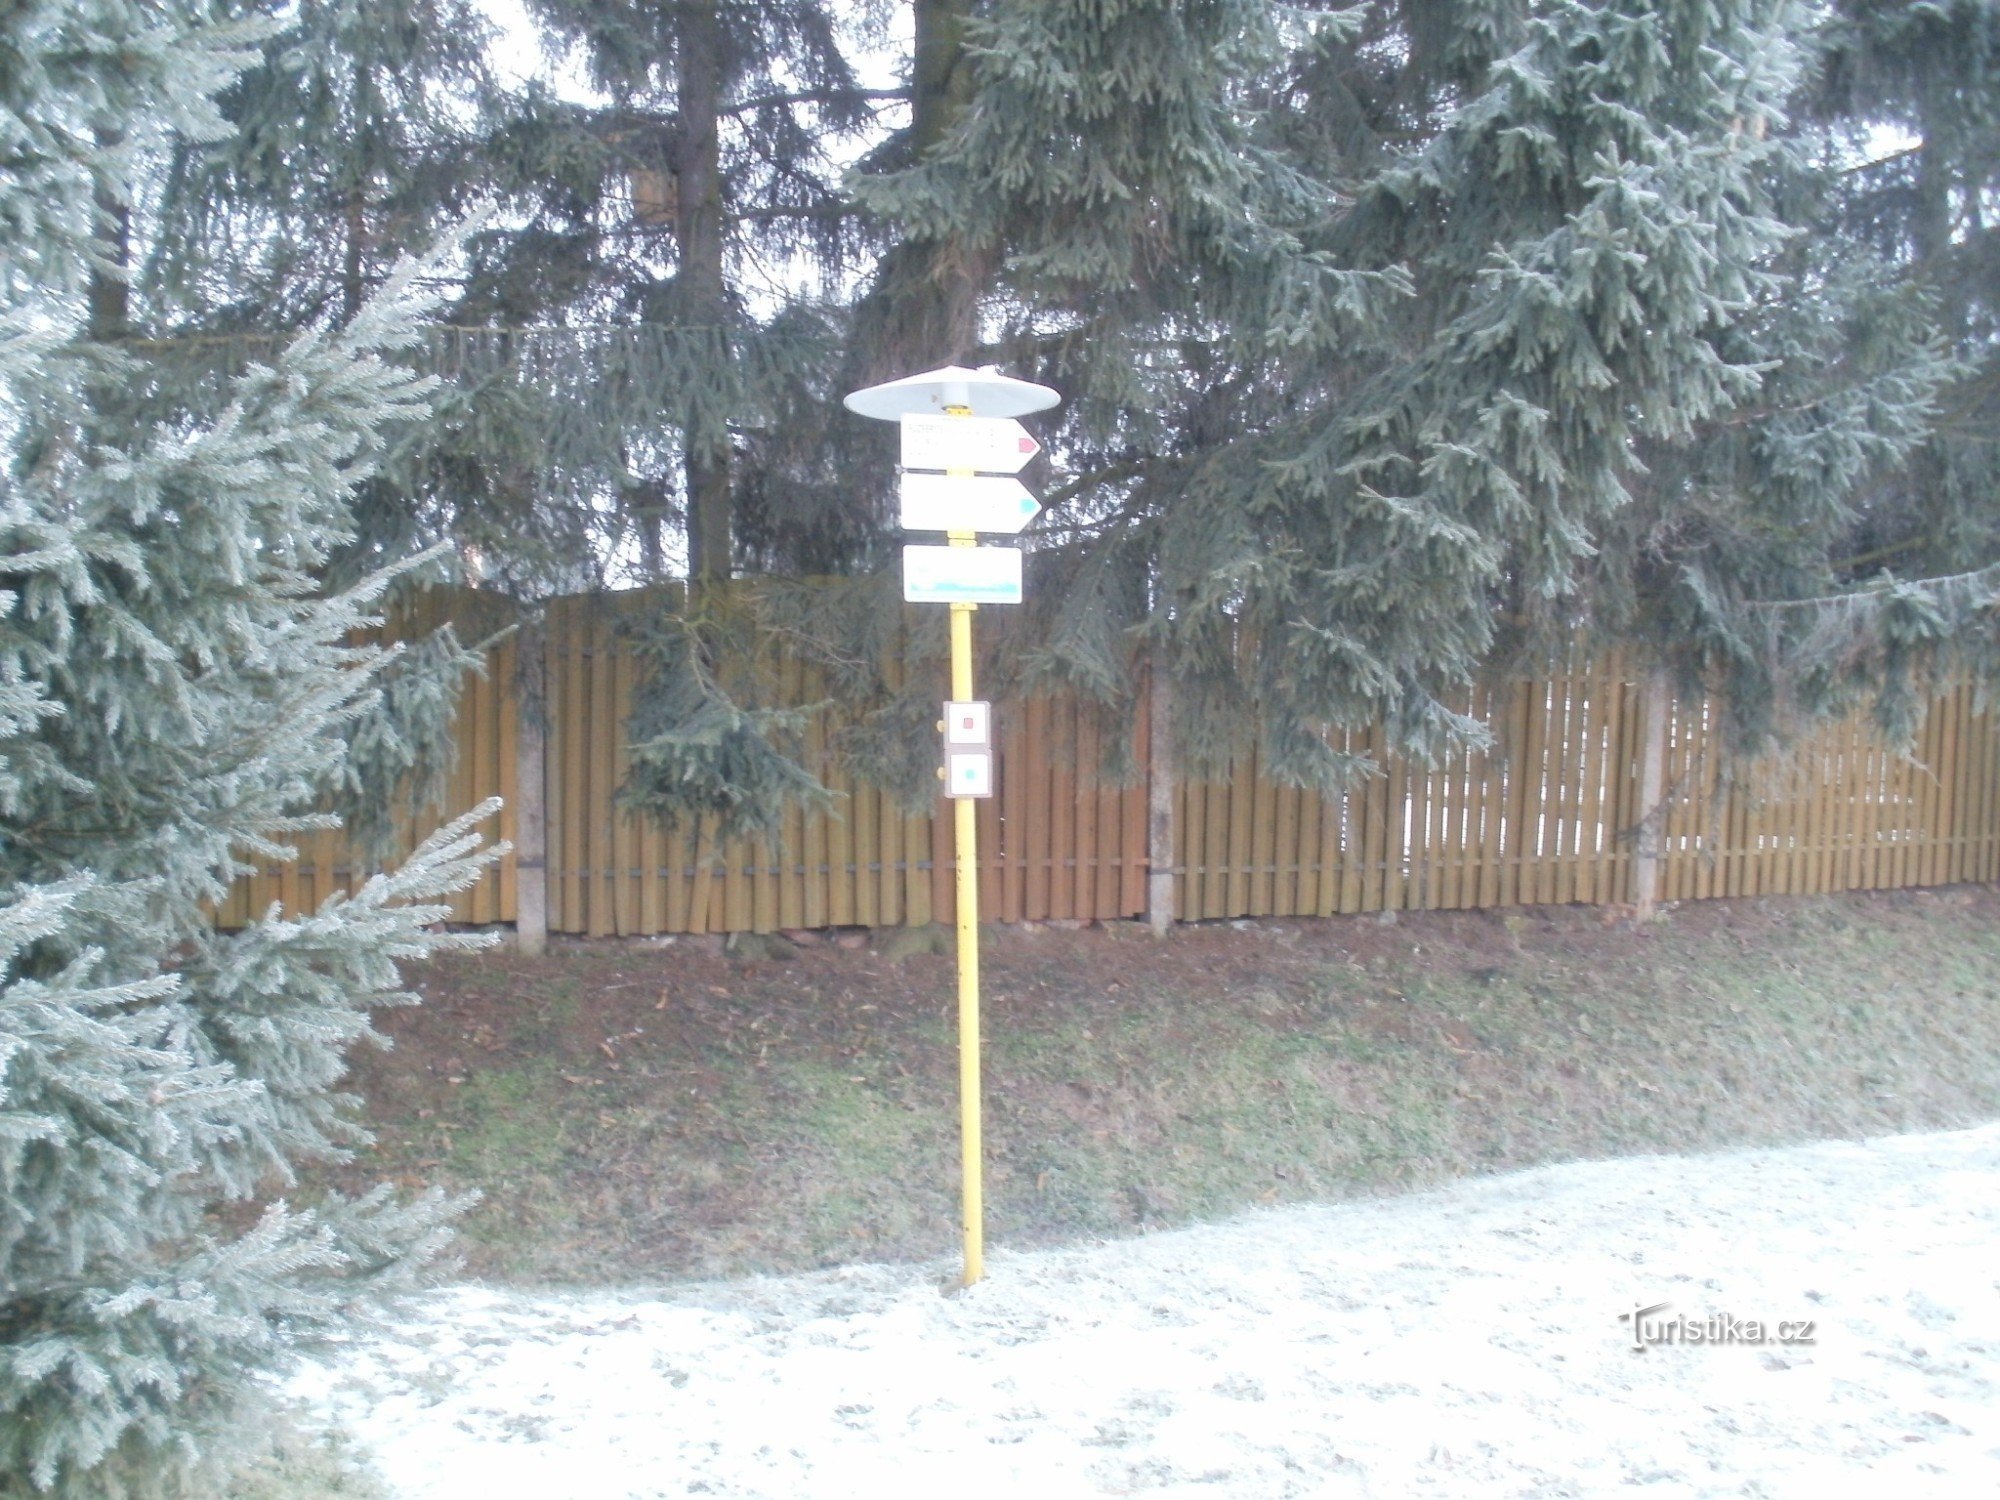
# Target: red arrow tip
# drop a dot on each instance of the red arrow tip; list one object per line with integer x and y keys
{"x": 1029, "y": 445}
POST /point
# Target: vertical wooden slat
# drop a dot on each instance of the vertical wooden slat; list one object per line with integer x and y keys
{"x": 1989, "y": 783}
{"x": 1534, "y": 850}
{"x": 1346, "y": 830}
{"x": 1809, "y": 800}
{"x": 1493, "y": 786}
{"x": 918, "y": 873}
{"x": 1961, "y": 786}
{"x": 1624, "y": 811}
{"x": 1134, "y": 826}
{"x": 603, "y": 746}
{"x": 1017, "y": 809}
{"x": 889, "y": 852}
{"x": 1374, "y": 827}
{"x": 866, "y": 825}
{"x": 1811, "y": 784}
{"x": 575, "y": 768}
{"x": 1609, "y": 751}
{"x": 701, "y": 876}
{"x": 1828, "y": 794}
{"x": 1037, "y": 813}
{"x": 534, "y": 732}
{"x": 1987, "y": 796}
{"x": 1616, "y": 773}
{"x": 1970, "y": 801}
{"x": 739, "y": 856}
{"x": 1853, "y": 871}
{"x": 1553, "y": 883}
{"x": 816, "y": 880}
{"x": 1754, "y": 792}
{"x": 288, "y": 885}
{"x": 624, "y": 841}
{"x": 992, "y": 852}
{"x": 1332, "y": 861}
{"x": 1939, "y": 730}
{"x": 1587, "y": 705}
{"x": 1309, "y": 869}
{"x": 1705, "y": 816}
{"x": 1215, "y": 849}
{"x": 1778, "y": 830}
{"x": 1089, "y": 879}
{"x": 1923, "y": 791}
{"x": 1062, "y": 808}
{"x": 1285, "y": 803}
{"x": 1419, "y": 844}
{"x": 1736, "y": 837}
{"x": 1241, "y": 800}
{"x": 1899, "y": 820}
{"x": 794, "y": 690}
{"x": 1566, "y": 771}
{"x": 1512, "y": 720}
{"x": 1872, "y": 769}
{"x": 1263, "y": 858}
{"x": 1161, "y": 858}
{"x": 1853, "y": 791}
{"x": 1966, "y": 802}
{"x": 944, "y": 902}
{"x": 473, "y": 747}
{"x": 1600, "y": 708}
{"x": 838, "y": 832}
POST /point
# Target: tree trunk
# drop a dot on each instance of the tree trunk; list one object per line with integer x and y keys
{"x": 703, "y": 293}
{"x": 354, "y": 226}
{"x": 943, "y": 92}
{"x": 109, "y": 296}
{"x": 354, "y": 212}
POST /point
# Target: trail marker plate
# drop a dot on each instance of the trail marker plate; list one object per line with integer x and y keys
{"x": 968, "y": 726}
{"x": 962, "y": 575}
{"x": 968, "y": 773}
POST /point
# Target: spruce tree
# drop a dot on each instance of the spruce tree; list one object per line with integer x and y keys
{"x": 1401, "y": 336}
{"x": 695, "y": 205}
{"x": 178, "y": 692}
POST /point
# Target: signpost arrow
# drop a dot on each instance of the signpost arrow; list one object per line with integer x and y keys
{"x": 962, "y": 575}
{"x": 992, "y": 445}
{"x": 967, "y": 502}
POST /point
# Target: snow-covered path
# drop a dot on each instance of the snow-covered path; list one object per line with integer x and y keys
{"x": 1460, "y": 1342}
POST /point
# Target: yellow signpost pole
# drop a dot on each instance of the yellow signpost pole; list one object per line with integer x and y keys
{"x": 962, "y": 503}
{"x": 965, "y": 852}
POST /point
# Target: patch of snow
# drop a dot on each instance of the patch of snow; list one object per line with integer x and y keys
{"x": 1458, "y": 1342}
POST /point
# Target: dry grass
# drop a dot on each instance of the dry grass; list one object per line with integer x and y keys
{"x": 645, "y": 1112}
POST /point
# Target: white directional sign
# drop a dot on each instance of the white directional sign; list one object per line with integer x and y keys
{"x": 991, "y": 445}
{"x": 962, "y": 575}
{"x": 967, "y": 502}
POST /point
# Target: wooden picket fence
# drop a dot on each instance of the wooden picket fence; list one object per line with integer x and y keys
{"x": 1544, "y": 817}
{"x": 1555, "y": 812}
{"x": 1053, "y": 843}
{"x": 488, "y": 765}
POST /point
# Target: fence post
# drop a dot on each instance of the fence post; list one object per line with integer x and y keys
{"x": 531, "y": 827}
{"x": 1159, "y": 798}
{"x": 1655, "y": 703}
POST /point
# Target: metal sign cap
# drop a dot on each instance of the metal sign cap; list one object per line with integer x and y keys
{"x": 985, "y": 391}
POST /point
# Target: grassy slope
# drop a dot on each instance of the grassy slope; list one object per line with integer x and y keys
{"x": 638, "y": 1112}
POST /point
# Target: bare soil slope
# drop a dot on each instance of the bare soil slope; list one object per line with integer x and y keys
{"x": 648, "y": 1111}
